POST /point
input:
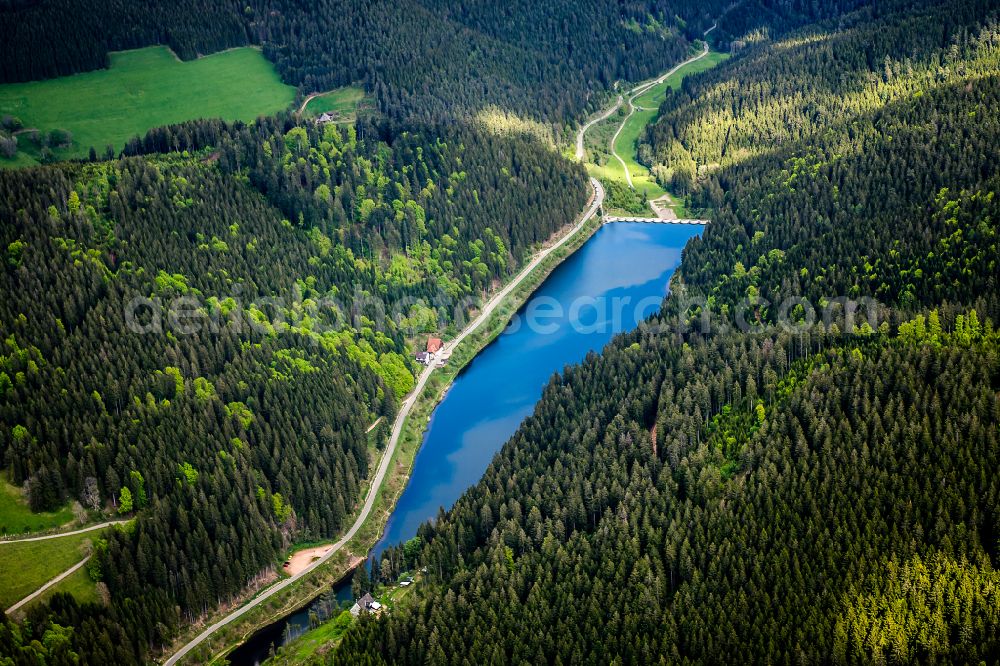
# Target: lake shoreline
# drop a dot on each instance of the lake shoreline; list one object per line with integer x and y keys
{"x": 309, "y": 587}
{"x": 441, "y": 468}
{"x": 416, "y": 423}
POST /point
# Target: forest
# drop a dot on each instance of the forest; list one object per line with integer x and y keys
{"x": 428, "y": 60}
{"x": 198, "y": 332}
{"x": 228, "y": 409}
{"x": 789, "y": 489}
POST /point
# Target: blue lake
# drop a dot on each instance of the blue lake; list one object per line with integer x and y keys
{"x": 617, "y": 279}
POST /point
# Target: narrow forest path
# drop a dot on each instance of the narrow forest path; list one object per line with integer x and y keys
{"x": 58, "y": 535}
{"x": 310, "y": 97}
{"x": 47, "y": 585}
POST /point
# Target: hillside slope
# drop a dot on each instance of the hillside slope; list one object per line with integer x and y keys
{"x": 546, "y": 60}
{"x": 771, "y": 487}
{"x": 206, "y": 343}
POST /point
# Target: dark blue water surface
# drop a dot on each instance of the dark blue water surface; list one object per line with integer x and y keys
{"x": 617, "y": 279}
{"x": 258, "y": 647}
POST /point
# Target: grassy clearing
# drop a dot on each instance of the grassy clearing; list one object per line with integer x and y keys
{"x": 626, "y": 145}
{"x": 79, "y": 584}
{"x": 26, "y": 566}
{"x": 17, "y": 518}
{"x": 142, "y": 89}
{"x": 654, "y": 96}
{"x": 610, "y": 171}
{"x": 21, "y": 159}
{"x": 647, "y": 110}
{"x": 315, "y": 645}
{"x": 342, "y": 102}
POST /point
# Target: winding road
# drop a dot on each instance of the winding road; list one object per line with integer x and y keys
{"x": 639, "y": 90}
{"x": 632, "y": 95}
{"x": 397, "y": 428}
{"x": 583, "y": 130}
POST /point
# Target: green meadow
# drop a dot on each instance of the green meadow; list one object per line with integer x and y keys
{"x": 655, "y": 95}
{"x": 17, "y": 518}
{"x": 78, "y": 584}
{"x": 27, "y": 565}
{"x": 647, "y": 108}
{"x": 142, "y": 89}
{"x": 342, "y": 102}
{"x": 626, "y": 145}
